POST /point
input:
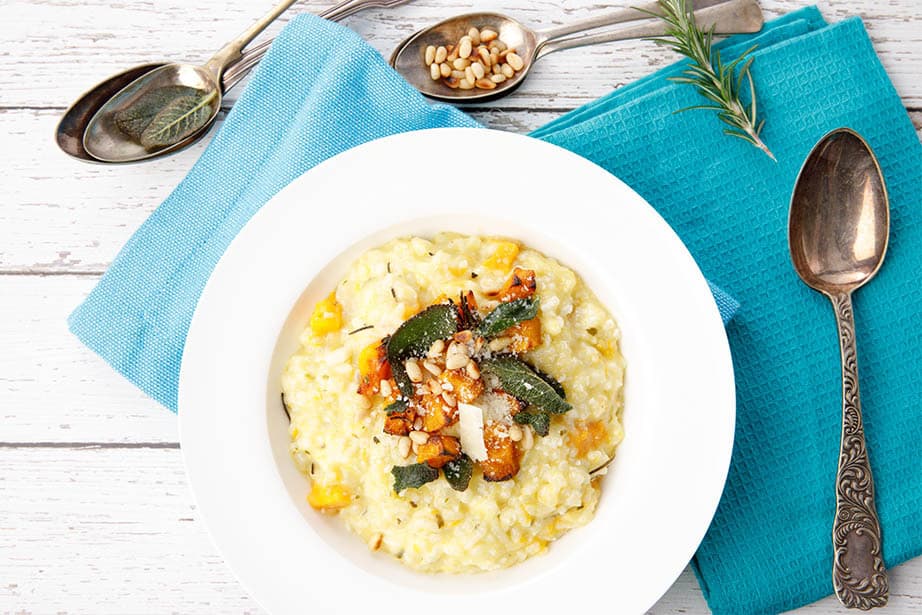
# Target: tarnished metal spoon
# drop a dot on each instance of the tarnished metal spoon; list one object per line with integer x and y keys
{"x": 727, "y": 17}
{"x": 838, "y": 232}
{"x": 73, "y": 125}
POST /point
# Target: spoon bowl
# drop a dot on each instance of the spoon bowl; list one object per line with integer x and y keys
{"x": 150, "y": 101}
{"x": 840, "y": 216}
{"x": 838, "y": 232}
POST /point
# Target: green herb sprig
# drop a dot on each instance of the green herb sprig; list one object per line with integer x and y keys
{"x": 720, "y": 83}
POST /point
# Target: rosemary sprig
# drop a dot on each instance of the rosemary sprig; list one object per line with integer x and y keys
{"x": 718, "y": 82}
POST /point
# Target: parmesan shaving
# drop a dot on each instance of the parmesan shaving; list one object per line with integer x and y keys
{"x": 471, "y": 427}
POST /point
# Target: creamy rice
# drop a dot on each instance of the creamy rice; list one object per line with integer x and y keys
{"x": 338, "y": 440}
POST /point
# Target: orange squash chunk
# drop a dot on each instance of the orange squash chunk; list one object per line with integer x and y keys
{"x": 400, "y": 423}
{"x": 502, "y": 462}
{"x": 328, "y": 498}
{"x": 435, "y": 412}
{"x": 586, "y": 436}
{"x": 438, "y": 451}
{"x": 521, "y": 284}
{"x": 525, "y": 335}
{"x": 461, "y": 385}
{"x": 373, "y": 368}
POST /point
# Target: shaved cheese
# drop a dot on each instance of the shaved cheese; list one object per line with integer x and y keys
{"x": 471, "y": 427}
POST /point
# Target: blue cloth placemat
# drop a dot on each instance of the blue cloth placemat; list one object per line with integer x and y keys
{"x": 769, "y": 547}
{"x": 306, "y": 103}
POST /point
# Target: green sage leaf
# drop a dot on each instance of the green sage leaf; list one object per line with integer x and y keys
{"x": 132, "y": 120}
{"x": 414, "y": 337}
{"x": 520, "y": 381}
{"x": 181, "y": 117}
{"x": 540, "y": 421}
{"x": 506, "y": 315}
{"x": 413, "y": 476}
{"x": 458, "y": 472}
{"x": 397, "y": 407}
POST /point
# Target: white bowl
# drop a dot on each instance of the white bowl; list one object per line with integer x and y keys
{"x": 664, "y": 485}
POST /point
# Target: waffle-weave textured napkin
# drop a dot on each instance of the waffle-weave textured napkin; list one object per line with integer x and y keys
{"x": 769, "y": 546}
{"x": 306, "y": 103}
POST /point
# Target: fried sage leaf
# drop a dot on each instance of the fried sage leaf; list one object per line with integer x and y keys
{"x": 458, "y": 472}
{"x": 540, "y": 421}
{"x": 415, "y": 336}
{"x": 181, "y": 117}
{"x": 506, "y": 315}
{"x": 413, "y": 476}
{"x": 520, "y": 381}
{"x": 550, "y": 380}
{"x": 397, "y": 407}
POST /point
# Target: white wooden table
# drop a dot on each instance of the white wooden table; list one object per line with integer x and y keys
{"x": 95, "y": 513}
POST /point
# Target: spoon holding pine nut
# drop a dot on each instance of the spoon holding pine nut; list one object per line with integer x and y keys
{"x": 483, "y": 56}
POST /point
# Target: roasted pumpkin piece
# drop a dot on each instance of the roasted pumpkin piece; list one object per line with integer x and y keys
{"x": 327, "y": 316}
{"x": 586, "y": 436}
{"x": 502, "y": 462}
{"x": 520, "y": 285}
{"x": 460, "y": 384}
{"x": 328, "y": 498}
{"x": 525, "y": 335}
{"x": 373, "y": 368}
{"x": 503, "y": 257}
{"x": 435, "y": 412}
{"x": 400, "y": 423}
{"x": 438, "y": 451}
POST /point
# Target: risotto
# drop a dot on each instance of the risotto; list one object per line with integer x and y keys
{"x": 453, "y": 399}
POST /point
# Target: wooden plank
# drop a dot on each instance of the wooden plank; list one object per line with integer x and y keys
{"x": 93, "y": 39}
{"x": 54, "y": 390}
{"x": 103, "y": 530}
{"x": 60, "y": 215}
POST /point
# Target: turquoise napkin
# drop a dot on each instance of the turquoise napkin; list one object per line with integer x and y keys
{"x": 769, "y": 546}
{"x": 306, "y": 103}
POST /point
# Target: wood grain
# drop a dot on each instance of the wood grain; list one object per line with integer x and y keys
{"x": 95, "y": 513}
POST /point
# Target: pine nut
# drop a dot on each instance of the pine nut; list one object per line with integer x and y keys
{"x": 419, "y": 437}
{"x": 457, "y": 74}
{"x": 452, "y": 54}
{"x": 498, "y": 78}
{"x": 465, "y": 47}
{"x": 528, "y": 439}
{"x": 445, "y": 69}
{"x": 449, "y": 398}
{"x": 418, "y": 424}
{"x": 499, "y": 343}
{"x": 413, "y": 371}
{"x": 484, "y": 54}
{"x": 440, "y": 54}
{"x": 456, "y": 357}
{"x": 474, "y": 35}
{"x": 507, "y": 71}
{"x": 487, "y": 35}
{"x": 437, "y": 348}
{"x": 430, "y": 54}
{"x": 464, "y": 84}
{"x": 494, "y": 59}
{"x": 498, "y": 45}
{"x": 403, "y": 446}
{"x": 497, "y": 69}
{"x": 461, "y": 63}
{"x": 385, "y": 388}
{"x": 435, "y": 387}
{"x": 452, "y": 82}
{"x": 515, "y": 433}
{"x": 435, "y": 72}
{"x": 485, "y": 84}
{"x": 472, "y": 370}
{"x": 477, "y": 69}
{"x": 469, "y": 74}
{"x": 432, "y": 368}
{"x": 515, "y": 61}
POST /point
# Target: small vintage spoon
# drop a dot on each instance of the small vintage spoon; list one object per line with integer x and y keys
{"x": 89, "y": 129}
{"x": 838, "y": 231}
{"x": 727, "y": 16}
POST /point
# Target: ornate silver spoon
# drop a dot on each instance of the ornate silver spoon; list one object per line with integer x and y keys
{"x": 838, "y": 232}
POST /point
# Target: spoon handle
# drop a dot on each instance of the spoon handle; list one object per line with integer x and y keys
{"x": 725, "y": 16}
{"x": 858, "y": 573}
{"x": 237, "y": 70}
